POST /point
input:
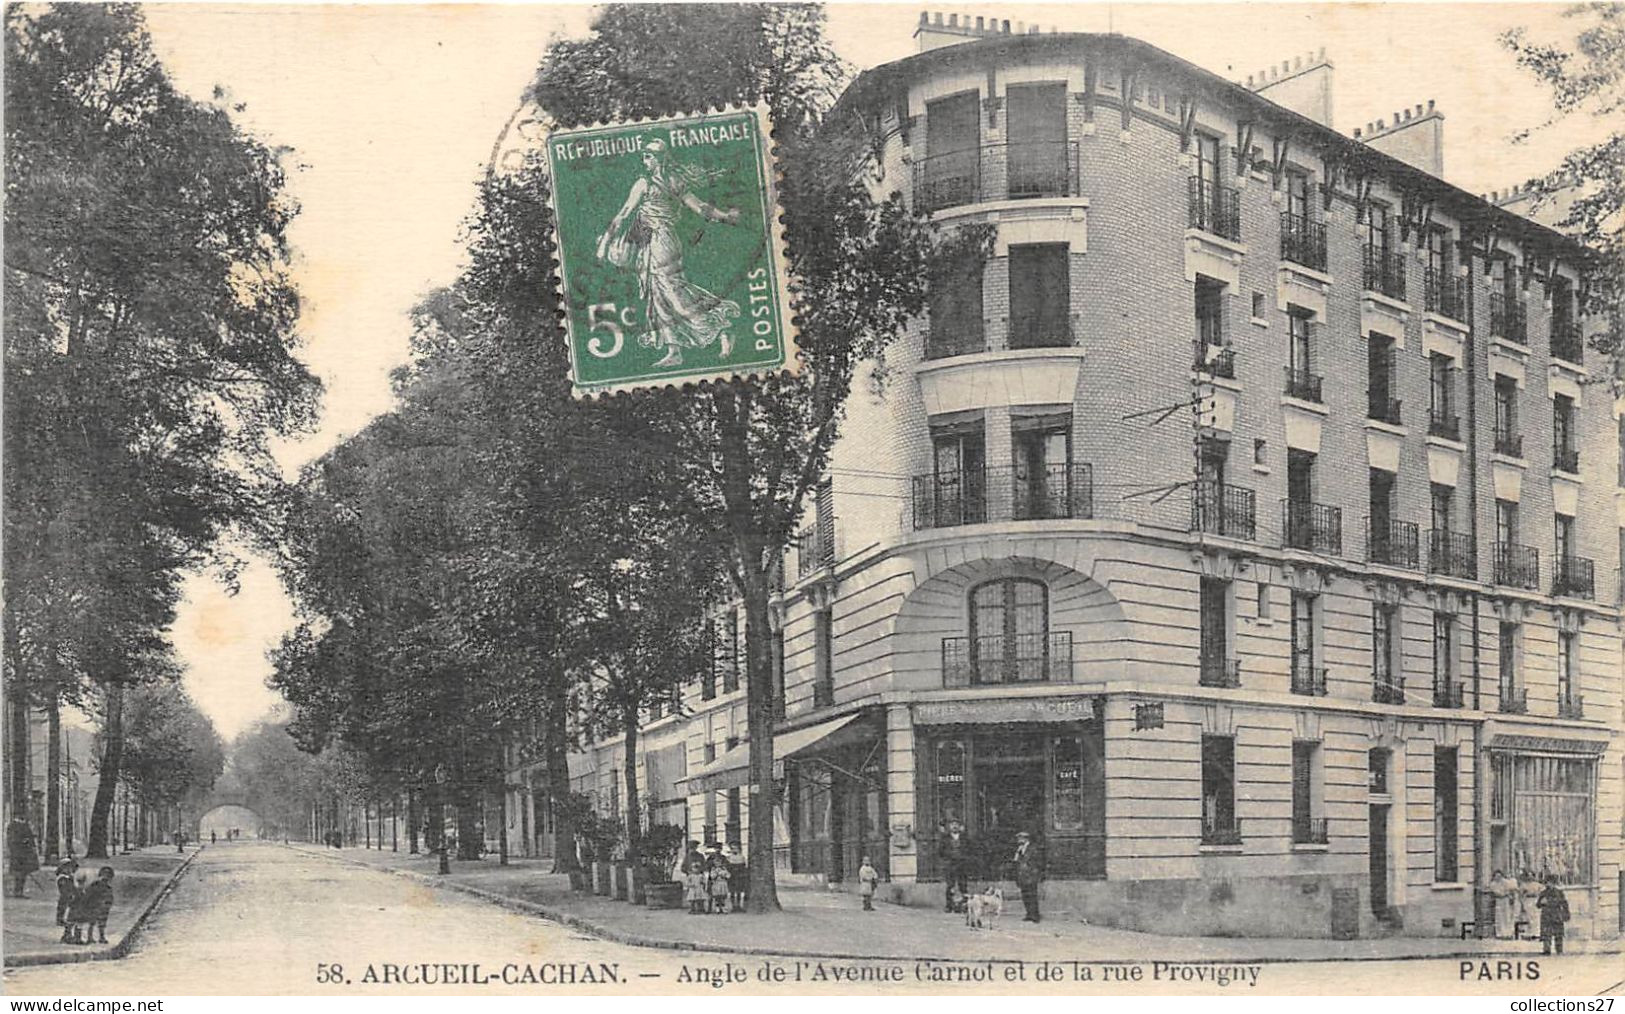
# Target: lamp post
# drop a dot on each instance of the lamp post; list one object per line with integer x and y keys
{"x": 440, "y": 780}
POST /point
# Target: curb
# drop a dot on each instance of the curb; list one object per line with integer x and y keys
{"x": 111, "y": 952}
{"x": 609, "y": 933}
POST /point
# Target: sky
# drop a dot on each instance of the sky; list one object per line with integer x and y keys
{"x": 391, "y": 112}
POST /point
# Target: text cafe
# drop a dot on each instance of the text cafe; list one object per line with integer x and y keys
{"x": 1017, "y": 764}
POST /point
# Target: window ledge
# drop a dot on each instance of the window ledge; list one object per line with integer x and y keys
{"x": 1398, "y": 306}
{"x": 1507, "y": 459}
{"x": 1259, "y": 322}
{"x": 1312, "y": 407}
{"x": 1455, "y": 885}
{"x": 1310, "y": 847}
{"x": 1396, "y": 429}
{"x": 1446, "y": 442}
{"x": 1221, "y": 850}
{"x": 1214, "y": 239}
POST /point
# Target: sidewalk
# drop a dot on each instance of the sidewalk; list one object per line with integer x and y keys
{"x": 825, "y": 924}
{"x": 32, "y": 937}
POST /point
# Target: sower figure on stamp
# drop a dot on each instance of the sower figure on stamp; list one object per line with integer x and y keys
{"x": 954, "y": 853}
{"x": 680, "y": 314}
{"x": 1029, "y": 864}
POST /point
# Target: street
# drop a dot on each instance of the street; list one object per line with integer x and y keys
{"x": 252, "y": 918}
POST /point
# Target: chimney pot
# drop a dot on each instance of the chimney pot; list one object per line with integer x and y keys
{"x": 1356, "y": 133}
{"x": 953, "y": 21}
{"x": 1021, "y": 29}
{"x": 978, "y": 25}
{"x": 1430, "y": 105}
{"x": 1297, "y": 62}
{"x": 1381, "y": 125}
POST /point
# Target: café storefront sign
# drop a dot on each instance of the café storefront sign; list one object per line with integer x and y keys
{"x": 1020, "y": 709}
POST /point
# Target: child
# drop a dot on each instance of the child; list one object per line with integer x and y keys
{"x": 66, "y": 891}
{"x": 95, "y": 905}
{"x": 868, "y": 878}
{"x": 694, "y": 890}
{"x": 719, "y": 884}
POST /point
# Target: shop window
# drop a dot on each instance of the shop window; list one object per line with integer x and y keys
{"x": 1446, "y": 868}
{"x": 1066, "y": 792}
{"x": 1009, "y": 631}
{"x": 1219, "y": 823}
{"x": 732, "y": 830}
{"x": 1544, "y": 809}
{"x": 950, "y": 777}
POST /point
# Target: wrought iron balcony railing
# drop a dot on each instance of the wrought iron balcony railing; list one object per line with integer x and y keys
{"x": 1316, "y": 527}
{"x": 1444, "y": 294}
{"x": 1217, "y": 361}
{"x": 1385, "y": 273}
{"x": 1517, "y": 566}
{"x": 1309, "y": 831}
{"x": 1007, "y": 658}
{"x": 1514, "y": 700}
{"x": 1214, "y": 208}
{"x": 955, "y": 338}
{"x": 1510, "y": 444}
{"x": 815, "y": 548}
{"x": 1447, "y": 695}
{"x": 1307, "y": 679}
{"x": 1566, "y": 459}
{"x": 1392, "y": 543}
{"x": 1444, "y": 424}
{"x": 1566, "y": 342}
{"x": 1016, "y": 170}
{"x": 1303, "y": 241}
{"x": 1508, "y": 318}
{"x": 1382, "y": 408}
{"x": 1452, "y": 554}
{"x": 1218, "y": 671}
{"x": 1220, "y": 831}
{"x": 1303, "y": 385}
{"x": 1041, "y": 330}
{"x": 1571, "y": 707}
{"x": 1224, "y": 509}
{"x": 972, "y": 496}
{"x": 1387, "y": 689}
{"x": 1573, "y": 577}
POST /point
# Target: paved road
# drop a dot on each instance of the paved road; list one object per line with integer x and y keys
{"x": 256, "y": 919}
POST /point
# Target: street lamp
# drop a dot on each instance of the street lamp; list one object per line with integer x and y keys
{"x": 440, "y": 780}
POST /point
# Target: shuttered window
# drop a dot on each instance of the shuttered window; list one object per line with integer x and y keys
{"x": 1040, "y": 296}
{"x": 1038, "y": 158}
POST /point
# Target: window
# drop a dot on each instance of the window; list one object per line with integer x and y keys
{"x": 708, "y": 678}
{"x": 1209, "y": 316}
{"x": 1207, "y": 158}
{"x": 728, "y": 655}
{"x": 950, "y": 777}
{"x": 951, "y": 172}
{"x": 1377, "y": 763}
{"x": 1066, "y": 791}
{"x": 959, "y": 494}
{"x": 1507, "y": 440}
{"x": 956, "y": 314}
{"x": 1308, "y": 826}
{"x": 1385, "y": 680}
{"x": 1563, "y": 531}
{"x": 1564, "y": 455}
{"x": 1039, "y": 162}
{"x": 1258, "y": 306}
{"x": 1009, "y": 631}
{"x": 1621, "y": 479}
{"x": 823, "y": 658}
{"x": 1442, "y": 397}
{"x": 1438, "y": 253}
{"x": 1263, "y": 602}
{"x": 733, "y": 827}
{"x": 1507, "y": 649}
{"x": 1301, "y": 381}
{"x": 1381, "y": 404}
{"x": 1379, "y": 237}
{"x": 1443, "y": 501}
{"x": 1565, "y": 671}
{"x": 1040, "y": 296}
{"x": 1306, "y": 677}
{"x": 1445, "y": 859}
{"x": 1045, "y": 485}
{"x": 1297, "y": 194}
{"x": 1219, "y": 824}
{"x": 1548, "y": 804}
{"x": 1215, "y": 632}
{"x": 1381, "y": 484}
{"x": 1445, "y": 690}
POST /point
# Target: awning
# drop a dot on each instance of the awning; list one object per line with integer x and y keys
{"x": 732, "y": 769}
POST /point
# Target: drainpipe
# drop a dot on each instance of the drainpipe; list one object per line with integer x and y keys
{"x": 1481, "y": 765}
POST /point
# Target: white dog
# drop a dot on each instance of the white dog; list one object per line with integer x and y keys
{"x": 982, "y": 911}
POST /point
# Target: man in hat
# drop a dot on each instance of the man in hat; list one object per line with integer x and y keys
{"x": 954, "y": 854}
{"x": 1029, "y": 865}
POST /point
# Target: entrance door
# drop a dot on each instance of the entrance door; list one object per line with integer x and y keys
{"x": 1009, "y": 798}
{"x": 1379, "y": 861}
{"x": 838, "y": 795}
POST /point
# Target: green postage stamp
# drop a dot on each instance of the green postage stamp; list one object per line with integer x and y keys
{"x": 671, "y": 257}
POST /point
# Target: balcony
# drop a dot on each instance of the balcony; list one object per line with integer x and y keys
{"x": 1303, "y": 385}
{"x": 1566, "y": 342}
{"x": 1566, "y": 459}
{"x": 1385, "y": 273}
{"x": 1510, "y": 444}
{"x": 1219, "y": 361}
{"x": 1514, "y": 700}
{"x": 1309, "y": 831}
{"x": 950, "y": 499}
{"x": 1517, "y": 566}
{"x": 999, "y": 659}
{"x": 1452, "y": 554}
{"x": 1214, "y": 208}
{"x": 815, "y": 549}
{"x": 1508, "y": 318}
{"x": 1308, "y": 680}
{"x": 1381, "y": 407}
{"x": 1220, "y": 830}
{"x": 1303, "y": 241}
{"x": 1315, "y": 527}
{"x": 1445, "y": 294}
{"x": 1448, "y": 694}
{"x": 1392, "y": 543}
{"x": 1389, "y": 689}
{"x": 1223, "y": 509}
{"x": 1014, "y": 171}
{"x": 1218, "y": 671}
{"x": 1041, "y": 331}
{"x": 1573, "y": 577}
{"x": 955, "y": 338}
{"x": 1444, "y": 424}
{"x": 1571, "y": 707}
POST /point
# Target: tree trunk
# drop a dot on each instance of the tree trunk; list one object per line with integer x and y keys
{"x": 469, "y": 804}
{"x": 634, "y": 832}
{"x": 764, "y": 792}
{"x": 502, "y": 821}
{"x": 108, "y": 775}
{"x": 557, "y": 743}
{"x": 18, "y": 752}
{"x": 53, "y": 780}
{"x": 412, "y": 821}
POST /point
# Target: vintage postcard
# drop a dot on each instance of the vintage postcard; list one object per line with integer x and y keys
{"x": 784, "y": 500}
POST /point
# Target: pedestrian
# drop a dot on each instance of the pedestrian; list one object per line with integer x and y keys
{"x": 95, "y": 904}
{"x": 738, "y": 877}
{"x": 211, "y": 836}
{"x": 868, "y": 881}
{"x": 66, "y": 891}
{"x": 694, "y": 891}
{"x": 1554, "y": 914}
{"x": 22, "y": 854}
{"x": 954, "y": 856}
{"x": 717, "y": 877}
{"x": 1029, "y": 863}
{"x": 1504, "y": 889}
{"x": 1529, "y": 888}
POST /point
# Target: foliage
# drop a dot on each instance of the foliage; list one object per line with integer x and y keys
{"x": 661, "y": 846}
{"x": 171, "y": 749}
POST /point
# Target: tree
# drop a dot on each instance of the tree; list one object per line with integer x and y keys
{"x": 754, "y": 451}
{"x": 1587, "y": 80}
{"x": 149, "y": 339}
{"x": 171, "y": 751}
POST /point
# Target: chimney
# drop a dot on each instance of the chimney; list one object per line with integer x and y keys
{"x": 1302, "y": 84}
{"x": 936, "y": 29}
{"x": 1416, "y": 136}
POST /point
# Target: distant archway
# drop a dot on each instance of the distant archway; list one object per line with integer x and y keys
{"x": 224, "y": 817}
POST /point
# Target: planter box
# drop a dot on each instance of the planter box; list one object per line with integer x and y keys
{"x": 603, "y": 878}
{"x": 580, "y": 880}
{"x": 664, "y": 894}
{"x": 623, "y": 877}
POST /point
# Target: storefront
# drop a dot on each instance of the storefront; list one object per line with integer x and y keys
{"x": 1543, "y": 821}
{"x": 980, "y": 763}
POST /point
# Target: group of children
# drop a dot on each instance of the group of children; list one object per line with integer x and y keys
{"x": 713, "y": 884}
{"x": 82, "y": 903}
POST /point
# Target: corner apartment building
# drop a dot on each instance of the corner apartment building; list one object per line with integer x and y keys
{"x": 1247, "y": 525}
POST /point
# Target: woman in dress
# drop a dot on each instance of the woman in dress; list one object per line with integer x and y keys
{"x": 680, "y": 314}
{"x": 1505, "y": 890}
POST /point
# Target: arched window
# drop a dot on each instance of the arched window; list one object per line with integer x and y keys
{"x": 1009, "y": 631}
